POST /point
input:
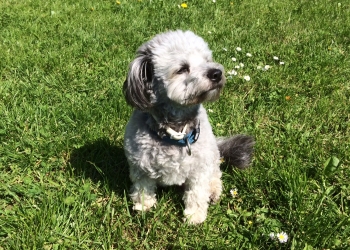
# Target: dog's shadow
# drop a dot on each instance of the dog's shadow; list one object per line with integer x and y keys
{"x": 102, "y": 162}
{"x": 105, "y": 163}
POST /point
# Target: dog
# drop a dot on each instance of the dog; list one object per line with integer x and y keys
{"x": 168, "y": 139}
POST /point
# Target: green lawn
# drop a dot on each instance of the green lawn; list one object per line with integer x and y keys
{"x": 63, "y": 175}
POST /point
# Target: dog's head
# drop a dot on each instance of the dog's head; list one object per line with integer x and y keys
{"x": 175, "y": 67}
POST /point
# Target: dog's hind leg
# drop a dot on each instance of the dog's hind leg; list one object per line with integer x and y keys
{"x": 215, "y": 186}
{"x": 143, "y": 193}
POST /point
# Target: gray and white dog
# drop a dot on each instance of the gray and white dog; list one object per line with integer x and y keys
{"x": 169, "y": 140}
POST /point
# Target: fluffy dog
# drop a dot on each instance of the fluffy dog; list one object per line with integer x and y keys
{"x": 168, "y": 140}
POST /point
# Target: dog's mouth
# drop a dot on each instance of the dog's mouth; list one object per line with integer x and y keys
{"x": 210, "y": 94}
{"x": 214, "y": 87}
{"x": 212, "y": 91}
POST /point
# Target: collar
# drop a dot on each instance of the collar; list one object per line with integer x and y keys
{"x": 180, "y": 138}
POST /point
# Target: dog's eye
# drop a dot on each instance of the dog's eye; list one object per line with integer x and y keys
{"x": 183, "y": 69}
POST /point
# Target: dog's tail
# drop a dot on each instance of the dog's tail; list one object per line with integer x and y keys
{"x": 237, "y": 150}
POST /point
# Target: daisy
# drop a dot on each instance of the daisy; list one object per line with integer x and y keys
{"x": 239, "y": 49}
{"x": 234, "y": 192}
{"x": 282, "y": 237}
{"x": 266, "y": 67}
{"x": 247, "y": 78}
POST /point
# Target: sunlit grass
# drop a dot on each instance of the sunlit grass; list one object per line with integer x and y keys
{"x": 64, "y": 178}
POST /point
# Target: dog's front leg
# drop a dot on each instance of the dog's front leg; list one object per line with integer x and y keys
{"x": 143, "y": 193}
{"x": 196, "y": 200}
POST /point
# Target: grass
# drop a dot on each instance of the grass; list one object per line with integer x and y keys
{"x": 64, "y": 178}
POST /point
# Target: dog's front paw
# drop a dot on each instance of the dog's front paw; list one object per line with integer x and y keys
{"x": 146, "y": 205}
{"x": 196, "y": 217}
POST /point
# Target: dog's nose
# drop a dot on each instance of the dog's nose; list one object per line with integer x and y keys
{"x": 215, "y": 75}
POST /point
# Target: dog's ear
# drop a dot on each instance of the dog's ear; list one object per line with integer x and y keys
{"x": 138, "y": 84}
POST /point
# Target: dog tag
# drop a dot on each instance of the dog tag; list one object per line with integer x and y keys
{"x": 188, "y": 146}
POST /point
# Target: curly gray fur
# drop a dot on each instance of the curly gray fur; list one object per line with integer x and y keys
{"x": 170, "y": 78}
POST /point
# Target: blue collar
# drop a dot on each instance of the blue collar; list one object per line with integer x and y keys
{"x": 188, "y": 139}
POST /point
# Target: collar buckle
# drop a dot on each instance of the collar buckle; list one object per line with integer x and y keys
{"x": 176, "y": 135}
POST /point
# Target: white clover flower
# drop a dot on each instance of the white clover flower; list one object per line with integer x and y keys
{"x": 259, "y": 67}
{"x": 232, "y": 72}
{"x": 281, "y": 63}
{"x": 224, "y": 49}
{"x": 249, "y": 55}
{"x": 214, "y": 1}
{"x": 209, "y": 32}
{"x": 272, "y": 236}
{"x": 210, "y": 111}
{"x": 266, "y": 67}
{"x": 237, "y": 67}
{"x": 234, "y": 192}
{"x": 239, "y": 49}
{"x": 247, "y": 78}
{"x": 241, "y": 65}
{"x": 275, "y": 58}
{"x": 234, "y": 59}
{"x": 282, "y": 237}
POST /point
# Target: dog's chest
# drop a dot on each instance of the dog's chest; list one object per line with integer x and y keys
{"x": 171, "y": 165}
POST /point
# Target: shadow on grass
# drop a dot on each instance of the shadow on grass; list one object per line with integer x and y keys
{"x": 103, "y": 162}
